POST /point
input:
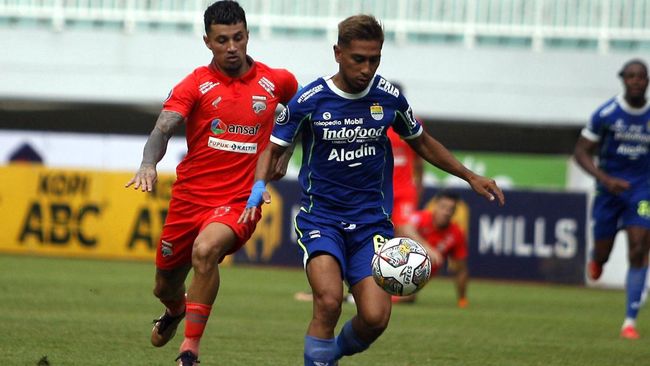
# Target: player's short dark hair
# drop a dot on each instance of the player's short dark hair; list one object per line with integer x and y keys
{"x": 447, "y": 194}
{"x": 226, "y": 12}
{"x": 634, "y": 61}
{"x": 360, "y": 27}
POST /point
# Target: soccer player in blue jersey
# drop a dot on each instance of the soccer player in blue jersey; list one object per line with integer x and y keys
{"x": 619, "y": 134}
{"x": 346, "y": 180}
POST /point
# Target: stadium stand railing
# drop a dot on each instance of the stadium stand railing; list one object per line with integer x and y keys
{"x": 538, "y": 24}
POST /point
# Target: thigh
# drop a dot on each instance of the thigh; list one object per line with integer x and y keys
{"x": 637, "y": 208}
{"x": 316, "y": 236}
{"x": 181, "y": 227}
{"x": 324, "y": 276}
{"x": 607, "y": 212}
{"x": 214, "y": 242}
{"x": 219, "y": 226}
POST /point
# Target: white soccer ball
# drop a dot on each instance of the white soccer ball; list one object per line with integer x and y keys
{"x": 401, "y": 266}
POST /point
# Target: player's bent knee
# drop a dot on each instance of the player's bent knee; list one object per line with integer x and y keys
{"x": 376, "y": 319}
{"x": 328, "y": 305}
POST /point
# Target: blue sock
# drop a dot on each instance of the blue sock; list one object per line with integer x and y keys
{"x": 348, "y": 342}
{"x": 321, "y": 352}
{"x": 634, "y": 286}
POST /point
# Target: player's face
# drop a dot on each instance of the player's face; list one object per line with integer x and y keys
{"x": 635, "y": 79}
{"x": 358, "y": 63}
{"x": 228, "y": 44}
{"x": 445, "y": 209}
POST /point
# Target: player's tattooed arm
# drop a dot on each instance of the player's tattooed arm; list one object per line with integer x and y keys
{"x": 154, "y": 150}
{"x": 156, "y": 145}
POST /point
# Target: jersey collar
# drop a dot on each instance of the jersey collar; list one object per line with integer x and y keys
{"x": 248, "y": 75}
{"x": 346, "y": 95}
{"x": 620, "y": 99}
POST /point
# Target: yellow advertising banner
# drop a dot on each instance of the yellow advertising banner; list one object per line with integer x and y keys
{"x": 79, "y": 213}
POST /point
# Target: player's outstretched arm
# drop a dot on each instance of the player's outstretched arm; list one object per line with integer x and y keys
{"x": 435, "y": 153}
{"x": 154, "y": 150}
{"x": 264, "y": 170}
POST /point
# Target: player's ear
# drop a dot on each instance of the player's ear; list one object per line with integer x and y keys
{"x": 207, "y": 42}
{"x": 337, "y": 53}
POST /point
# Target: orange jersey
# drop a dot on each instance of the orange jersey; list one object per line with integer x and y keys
{"x": 228, "y": 124}
{"x": 449, "y": 241}
{"x": 403, "y": 180}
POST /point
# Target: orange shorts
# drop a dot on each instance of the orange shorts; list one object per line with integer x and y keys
{"x": 184, "y": 222}
{"x": 403, "y": 207}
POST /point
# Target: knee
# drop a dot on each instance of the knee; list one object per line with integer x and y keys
{"x": 637, "y": 254}
{"x": 328, "y": 307}
{"x": 163, "y": 290}
{"x": 206, "y": 256}
{"x": 376, "y": 319}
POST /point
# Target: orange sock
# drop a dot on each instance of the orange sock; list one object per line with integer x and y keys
{"x": 196, "y": 318}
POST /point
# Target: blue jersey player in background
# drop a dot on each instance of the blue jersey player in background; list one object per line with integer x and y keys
{"x": 346, "y": 180}
{"x": 619, "y": 134}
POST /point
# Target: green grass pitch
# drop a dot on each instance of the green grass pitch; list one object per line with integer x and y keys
{"x": 88, "y": 312}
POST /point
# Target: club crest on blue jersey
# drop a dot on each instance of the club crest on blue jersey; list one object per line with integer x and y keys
{"x": 377, "y": 112}
{"x": 259, "y": 104}
{"x": 283, "y": 117}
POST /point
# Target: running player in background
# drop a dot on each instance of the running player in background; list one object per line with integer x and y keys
{"x": 228, "y": 108}
{"x": 619, "y": 135}
{"x": 444, "y": 240}
{"x": 346, "y": 179}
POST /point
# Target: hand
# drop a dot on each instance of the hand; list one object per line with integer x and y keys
{"x": 487, "y": 188}
{"x": 257, "y": 196}
{"x": 435, "y": 256}
{"x": 463, "y": 302}
{"x": 616, "y": 185}
{"x": 280, "y": 169}
{"x": 145, "y": 178}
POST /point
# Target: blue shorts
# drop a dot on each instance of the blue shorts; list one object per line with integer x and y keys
{"x": 612, "y": 213}
{"x": 353, "y": 245}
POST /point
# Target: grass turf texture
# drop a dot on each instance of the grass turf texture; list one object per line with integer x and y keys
{"x": 85, "y": 312}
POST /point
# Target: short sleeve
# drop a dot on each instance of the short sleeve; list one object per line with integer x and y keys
{"x": 298, "y": 110}
{"x": 183, "y": 96}
{"x": 288, "y": 85}
{"x": 405, "y": 123}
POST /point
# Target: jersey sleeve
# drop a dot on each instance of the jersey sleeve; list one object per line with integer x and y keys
{"x": 591, "y": 130}
{"x": 289, "y": 121}
{"x": 183, "y": 96}
{"x": 288, "y": 85}
{"x": 405, "y": 123}
{"x": 598, "y": 122}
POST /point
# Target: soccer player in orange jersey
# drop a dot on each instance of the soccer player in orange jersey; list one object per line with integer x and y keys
{"x": 228, "y": 108}
{"x": 444, "y": 240}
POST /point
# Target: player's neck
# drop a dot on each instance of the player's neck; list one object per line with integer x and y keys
{"x": 340, "y": 83}
{"x": 636, "y": 102}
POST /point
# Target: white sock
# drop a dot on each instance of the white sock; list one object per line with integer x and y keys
{"x": 629, "y": 322}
